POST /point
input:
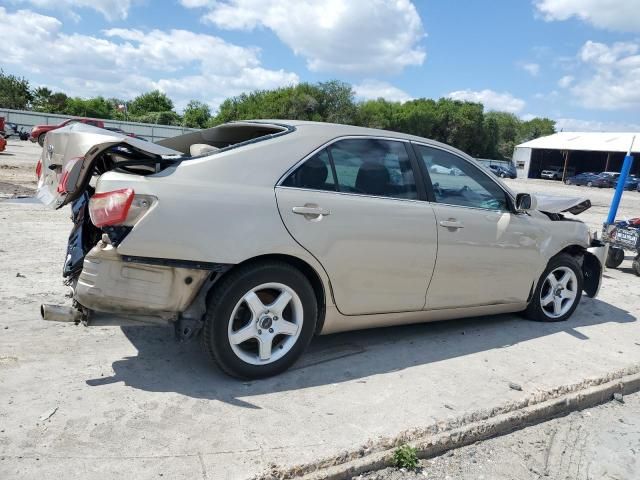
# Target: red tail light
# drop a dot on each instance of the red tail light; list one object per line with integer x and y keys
{"x": 110, "y": 208}
{"x": 39, "y": 169}
{"x": 64, "y": 179}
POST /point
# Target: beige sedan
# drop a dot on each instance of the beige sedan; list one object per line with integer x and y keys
{"x": 259, "y": 235}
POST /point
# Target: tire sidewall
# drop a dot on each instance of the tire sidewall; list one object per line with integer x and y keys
{"x": 215, "y": 334}
{"x": 534, "y": 310}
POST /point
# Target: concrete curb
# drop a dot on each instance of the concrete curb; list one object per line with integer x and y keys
{"x": 472, "y": 428}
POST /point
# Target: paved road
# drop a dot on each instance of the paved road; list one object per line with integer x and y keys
{"x": 600, "y": 443}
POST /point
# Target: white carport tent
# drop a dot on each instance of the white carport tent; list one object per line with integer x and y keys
{"x": 609, "y": 143}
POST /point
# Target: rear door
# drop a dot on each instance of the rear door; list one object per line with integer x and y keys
{"x": 486, "y": 253}
{"x": 355, "y": 207}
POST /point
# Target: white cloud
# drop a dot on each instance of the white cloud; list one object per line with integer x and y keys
{"x": 566, "y": 81}
{"x": 611, "y": 76}
{"x": 125, "y": 62}
{"x": 358, "y": 36}
{"x": 503, "y": 102}
{"x": 110, "y": 9}
{"x": 532, "y": 69}
{"x": 576, "y": 125}
{"x": 374, "y": 89}
{"x": 622, "y": 15}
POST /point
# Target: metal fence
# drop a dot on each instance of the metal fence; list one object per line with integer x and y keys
{"x": 149, "y": 131}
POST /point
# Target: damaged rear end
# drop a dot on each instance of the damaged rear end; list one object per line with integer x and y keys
{"x": 111, "y": 181}
{"x": 102, "y": 281}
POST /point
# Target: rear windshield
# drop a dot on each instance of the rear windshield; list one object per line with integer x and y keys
{"x": 223, "y": 137}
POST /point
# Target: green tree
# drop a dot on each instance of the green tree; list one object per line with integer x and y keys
{"x": 14, "y": 92}
{"x": 536, "y": 127}
{"x": 196, "y": 114}
{"x": 150, "y": 102}
{"x": 97, "y": 107}
{"x": 44, "y": 100}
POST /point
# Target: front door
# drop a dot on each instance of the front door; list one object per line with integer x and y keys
{"x": 354, "y": 206}
{"x": 486, "y": 254}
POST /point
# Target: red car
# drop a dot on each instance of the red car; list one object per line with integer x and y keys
{"x": 39, "y": 131}
{"x": 3, "y": 143}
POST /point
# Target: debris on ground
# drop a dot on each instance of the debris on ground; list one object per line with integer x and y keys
{"x": 48, "y": 414}
{"x": 618, "y": 397}
{"x": 515, "y": 386}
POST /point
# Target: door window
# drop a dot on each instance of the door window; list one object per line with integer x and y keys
{"x": 373, "y": 167}
{"x": 314, "y": 174}
{"x": 456, "y": 182}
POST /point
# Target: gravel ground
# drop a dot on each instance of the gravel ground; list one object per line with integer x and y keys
{"x": 598, "y": 443}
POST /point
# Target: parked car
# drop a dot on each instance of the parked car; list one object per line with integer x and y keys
{"x": 259, "y": 235}
{"x": 585, "y": 178}
{"x": 631, "y": 183}
{"x": 3, "y": 144}
{"x": 38, "y": 132}
{"x": 552, "y": 174}
{"x": 502, "y": 172}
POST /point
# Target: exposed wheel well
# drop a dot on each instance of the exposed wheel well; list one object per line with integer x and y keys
{"x": 306, "y": 269}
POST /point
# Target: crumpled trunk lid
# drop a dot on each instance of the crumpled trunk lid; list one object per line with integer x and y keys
{"x": 71, "y": 151}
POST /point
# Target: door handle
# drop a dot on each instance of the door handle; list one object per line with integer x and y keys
{"x": 451, "y": 223}
{"x": 311, "y": 211}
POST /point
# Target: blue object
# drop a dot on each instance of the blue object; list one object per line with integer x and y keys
{"x": 624, "y": 173}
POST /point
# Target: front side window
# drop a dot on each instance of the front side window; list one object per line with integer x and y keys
{"x": 373, "y": 167}
{"x": 456, "y": 182}
{"x": 314, "y": 174}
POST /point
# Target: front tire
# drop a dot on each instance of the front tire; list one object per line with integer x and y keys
{"x": 260, "y": 319}
{"x": 558, "y": 291}
{"x": 41, "y": 139}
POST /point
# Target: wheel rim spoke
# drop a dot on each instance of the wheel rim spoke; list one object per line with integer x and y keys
{"x": 281, "y": 303}
{"x": 265, "y": 347}
{"x": 564, "y": 280}
{"x": 547, "y": 299}
{"x": 557, "y": 305}
{"x": 243, "y": 334}
{"x": 254, "y": 303}
{"x": 287, "y": 328}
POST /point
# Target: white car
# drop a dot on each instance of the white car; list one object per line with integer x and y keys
{"x": 259, "y": 235}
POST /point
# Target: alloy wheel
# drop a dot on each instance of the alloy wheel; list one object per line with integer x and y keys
{"x": 265, "y": 323}
{"x": 559, "y": 292}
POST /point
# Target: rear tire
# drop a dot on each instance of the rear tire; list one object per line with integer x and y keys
{"x": 41, "y": 139}
{"x": 636, "y": 265}
{"x": 589, "y": 184}
{"x": 248, "y": 332}
{"x": 615, "y": 257}
{"x": 558, "y": 291}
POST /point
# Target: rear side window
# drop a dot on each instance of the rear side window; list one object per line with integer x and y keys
{"x": 314, "y": 174}
{"x": 373, "y": 167}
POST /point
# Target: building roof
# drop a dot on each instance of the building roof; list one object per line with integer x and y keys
{"x": 590, "y": 141}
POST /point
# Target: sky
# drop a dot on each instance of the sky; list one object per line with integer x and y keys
{"x": 575, "y": 61}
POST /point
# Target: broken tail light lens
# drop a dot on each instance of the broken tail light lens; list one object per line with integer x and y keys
{"x": 110, "y": 208}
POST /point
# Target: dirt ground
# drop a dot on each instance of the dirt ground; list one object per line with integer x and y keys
{"x": 598, "y": 443}
{"x": 129, "y": 402}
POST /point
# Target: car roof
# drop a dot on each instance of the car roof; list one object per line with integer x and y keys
{"x": 333, "y": 130}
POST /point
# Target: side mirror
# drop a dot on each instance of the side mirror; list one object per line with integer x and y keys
{"x": 525, "y": 202}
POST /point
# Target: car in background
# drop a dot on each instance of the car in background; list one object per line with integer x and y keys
{"x": 502, "y": 172}
{"x": 445, "y": 170}
{"x": 584, "y": 178}
{"x": 551, "y": 174}
{"x": 3, "y": 143}
{"x": 632, "y": 183}
{"x": 38, "y": 132}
